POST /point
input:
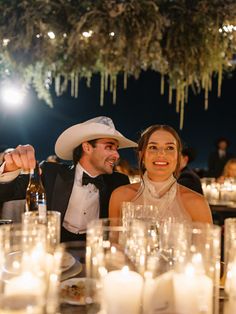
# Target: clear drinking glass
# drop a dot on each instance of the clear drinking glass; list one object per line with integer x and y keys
{"x": 149, "y": 214}
{"x": 52, "y": 222}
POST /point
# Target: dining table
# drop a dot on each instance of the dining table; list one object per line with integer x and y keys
{"x": 78, "y": 250}
{"x": 221, "y": 211}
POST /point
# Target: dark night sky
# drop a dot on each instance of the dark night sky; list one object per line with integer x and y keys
{"x": 138, "y": 107}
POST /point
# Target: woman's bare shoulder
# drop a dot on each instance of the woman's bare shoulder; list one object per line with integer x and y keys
{"x": 196, "y": 205}
{"x": 127, "y": 189}
{"x": 187, "y": 193}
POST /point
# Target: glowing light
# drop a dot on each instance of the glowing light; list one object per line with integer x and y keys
{"x": 87, "y": 34}
{"x": 51, "y": 35}
{"x": 229, "y": 28}
{"x": 5, "y": 41}
{"x": 11, "y": 96}
{"x": 112, "y": 34}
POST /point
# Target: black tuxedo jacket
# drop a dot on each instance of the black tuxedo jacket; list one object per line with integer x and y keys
{"x": 190, "y": 179}
{"x": 216, "y": 163}
{"x": 58, "y": 181}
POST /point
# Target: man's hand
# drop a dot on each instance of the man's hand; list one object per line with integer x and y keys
{"x": 22, "y": 157}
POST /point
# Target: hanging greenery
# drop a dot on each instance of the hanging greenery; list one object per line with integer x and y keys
{"x": 187, "y": 42}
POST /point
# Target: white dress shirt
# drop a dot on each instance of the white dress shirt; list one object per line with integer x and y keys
{"x": 83, "y": 204}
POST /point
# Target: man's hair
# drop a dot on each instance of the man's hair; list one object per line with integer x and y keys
{"x": 190, "y": 152}
{"x": 78, "y": 151}
{"x": 222, "y": 139}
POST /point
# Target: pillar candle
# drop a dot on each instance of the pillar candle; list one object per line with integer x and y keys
{"x": 122, "y": 292}
{"x": 193, "y": 292}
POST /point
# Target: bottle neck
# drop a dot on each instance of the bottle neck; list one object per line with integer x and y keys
{"x": 35, "y": 174}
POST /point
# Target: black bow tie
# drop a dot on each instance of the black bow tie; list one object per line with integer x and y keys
{"x": 97, "y": 181}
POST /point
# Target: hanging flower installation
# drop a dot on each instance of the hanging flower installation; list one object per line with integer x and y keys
{"x": 61, "y": 41}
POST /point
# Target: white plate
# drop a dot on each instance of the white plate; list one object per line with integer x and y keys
{"x": 72, "y": 291}
{"x": 72, "y": 272}
{"x": 67, "y": 261}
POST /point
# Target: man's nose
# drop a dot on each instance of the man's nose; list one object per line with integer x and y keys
{"x": 116, "y": 154}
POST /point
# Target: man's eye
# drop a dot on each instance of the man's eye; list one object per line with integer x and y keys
{"x": 111, "y": 147}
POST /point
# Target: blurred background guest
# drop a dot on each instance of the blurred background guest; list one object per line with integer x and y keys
{"x": 123, "y": 166}
{"x": 218, "y": 158}
{"x": 229, "y": 171}
{"x": 187, "y": 176}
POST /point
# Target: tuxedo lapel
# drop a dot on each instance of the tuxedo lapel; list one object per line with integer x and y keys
{"x": 62, "y": 191}
{"x": 104, "y": 196}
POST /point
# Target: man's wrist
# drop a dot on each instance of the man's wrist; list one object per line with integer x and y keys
{"x": 9, "y": 176}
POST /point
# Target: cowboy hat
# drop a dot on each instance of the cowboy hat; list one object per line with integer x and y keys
{"x": 99, "y": 127}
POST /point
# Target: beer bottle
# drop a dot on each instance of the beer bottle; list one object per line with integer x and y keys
{"x": 35, "y": 193}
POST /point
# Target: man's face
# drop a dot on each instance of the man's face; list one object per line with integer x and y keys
{"x": 222, "y": 145}
{"x": 103, "y": 157}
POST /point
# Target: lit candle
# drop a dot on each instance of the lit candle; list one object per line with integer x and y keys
{"x": 24, "y": 284}
{"x": 193, "y": 292}
{"x": 185, "y": 293}
{"x": 159, "y": 294}
{"x": 122, "y": 292}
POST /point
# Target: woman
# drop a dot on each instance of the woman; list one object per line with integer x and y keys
{"x": 229, "y": 171}
{"x": 159, "y": 152}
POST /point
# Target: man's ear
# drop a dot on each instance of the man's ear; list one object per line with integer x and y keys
{"x": 86, "y": 147}
{"x": 186, "y": 159}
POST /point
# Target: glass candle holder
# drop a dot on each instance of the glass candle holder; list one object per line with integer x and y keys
{"x": 230, "y": 265}
{"x": 115, "y": 263}
{"x": 192, "y": 285}
{"x": 27, "y": 270}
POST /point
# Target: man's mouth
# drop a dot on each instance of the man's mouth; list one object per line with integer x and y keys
{"x": 112, "y": 163}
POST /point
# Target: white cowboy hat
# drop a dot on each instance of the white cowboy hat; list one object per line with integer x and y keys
{"x": 99, "y": 127}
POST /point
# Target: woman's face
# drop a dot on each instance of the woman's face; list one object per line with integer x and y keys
{"x": 161, "y": 155}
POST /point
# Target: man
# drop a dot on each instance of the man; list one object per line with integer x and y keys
{"x": 218, "y": 158}
{"x": 92, "y": 146}
{"x": 187, "y": 176}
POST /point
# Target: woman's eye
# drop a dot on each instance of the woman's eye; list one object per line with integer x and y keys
{"x": 152, "y": 147}
{"x": 170, "y": 148}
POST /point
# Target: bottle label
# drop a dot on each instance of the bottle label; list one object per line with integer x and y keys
{"x": 42, "y": 208}
{"x": 26, "y": 207}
